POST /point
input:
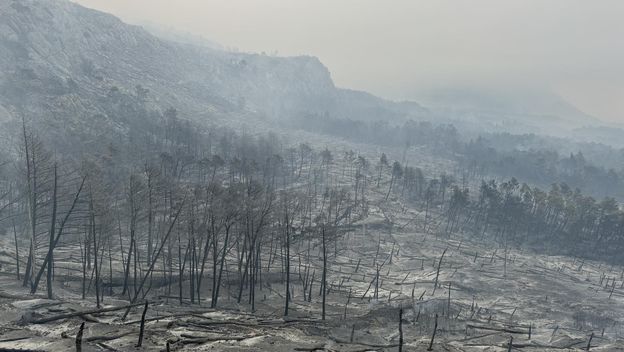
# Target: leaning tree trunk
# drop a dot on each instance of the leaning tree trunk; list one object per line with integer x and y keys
{"x": 54, "y": 242}
{"x": 16, "y": 252}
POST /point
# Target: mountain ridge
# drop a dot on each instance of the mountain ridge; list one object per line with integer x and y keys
{"x": 61, "y": 61}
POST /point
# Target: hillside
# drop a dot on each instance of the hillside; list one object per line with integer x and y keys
{"x": 60, "y": 62}
{"x": 507, "y": 108}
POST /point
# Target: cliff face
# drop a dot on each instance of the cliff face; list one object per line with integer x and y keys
{"x": 57, "y": 48}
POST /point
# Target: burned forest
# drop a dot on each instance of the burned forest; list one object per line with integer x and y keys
{"x": 161, "y": 192}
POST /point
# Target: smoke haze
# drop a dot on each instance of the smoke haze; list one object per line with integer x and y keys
{"x": 405, "y": 49}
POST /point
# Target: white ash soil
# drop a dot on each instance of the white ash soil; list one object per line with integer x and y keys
{"x": 561, "y": 300}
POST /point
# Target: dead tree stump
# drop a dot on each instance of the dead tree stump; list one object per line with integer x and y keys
{"x": 401, "y": 330}
{"x": 589, "y": 342}
{"x": 435, "y": 328}
{"x": 142, "y": 325}
{"x": 79, "y": 338}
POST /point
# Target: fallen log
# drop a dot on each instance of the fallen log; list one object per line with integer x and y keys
{"x": 195, "y": 313}
{"x": 107, "y": 347}
{"x": 193, "y": 339}
{"x": 107, "y": 337}
{"x": 345, "y": 342}
{"x": 15, "y": 339}
{"x": 477, "y": 337}
{"x": 4, "y": 294}
{"x": 510, "y": 331}
{"x": 539, "y": 345}
{"x": 257, "y": 324}
{"x": 77, "y": 314}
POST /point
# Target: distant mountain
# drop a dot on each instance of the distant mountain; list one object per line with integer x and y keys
{"x": 508, "y": 108}
{"x": 62, "y": 66}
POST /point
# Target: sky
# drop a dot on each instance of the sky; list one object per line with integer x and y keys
{"x": 401, "y": 49}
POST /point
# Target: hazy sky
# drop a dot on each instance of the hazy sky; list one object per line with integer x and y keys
{"x": 398, "y": 48}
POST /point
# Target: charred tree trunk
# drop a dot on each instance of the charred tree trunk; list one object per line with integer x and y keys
{"x": 17, "y": 263}
{"x": 324, "y": 282}
{"x": 142, "y": 329}
{"x": 50, "y": 258}
{"x": 287, "y": 265}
